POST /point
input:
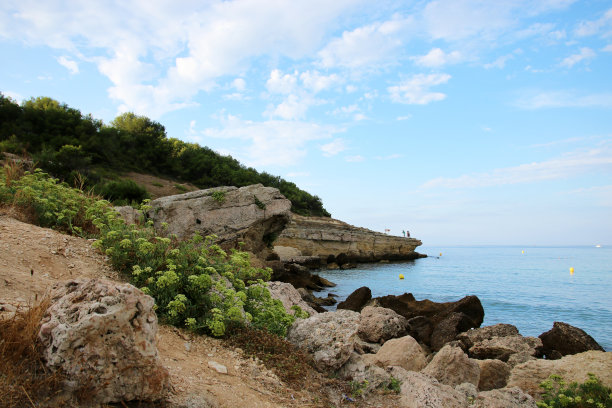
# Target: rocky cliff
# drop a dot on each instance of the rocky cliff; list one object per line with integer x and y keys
{"x": 335, "y": 241}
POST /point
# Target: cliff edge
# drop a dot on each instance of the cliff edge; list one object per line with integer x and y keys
{"x": 332, "y": 240}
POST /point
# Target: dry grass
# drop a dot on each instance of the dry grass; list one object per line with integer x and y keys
{"x": 24, "y": 380}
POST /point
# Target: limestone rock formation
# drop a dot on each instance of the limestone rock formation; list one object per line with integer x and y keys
{"x": 330, "y": 337}
{"x": 493, "y": 374}
{"x": 504, "y": 348}
{"x": 252, "y": 214}
{"x": 451, "y": 366}
{"x": 419, "y": 390}
{"x": 381, "y": 324}
{"x": 104, "y": 331}
{"x": 342, "y": 243}
{"x": 564, "y": 339}
{"x": 470, "y": 337}
{"x": 529, "y": 375}
{"x": 356, "y": 300}
{"x": 289, "y": 296}
{"x": 504, "y": 398}
{"x": 403, "y": 352}
{"x": 362, "y": 368}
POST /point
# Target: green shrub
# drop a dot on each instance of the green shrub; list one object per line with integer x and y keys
{"x": 123, "y": 192}
{"x": 219, "y": 196}
{"x": 591, "y": 394}
{"x": 195, "y": 283}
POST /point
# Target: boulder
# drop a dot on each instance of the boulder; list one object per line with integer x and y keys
{"x": 448, "y": 328}
{"x": 289, "y": 296}
{"x": 434, "y": 313}
{"x": 404, "y": 352}
{"x": 502, "y": 348}
{"x": 378, "y": 324}
{"x": 419, "y": 390}
{"x": 493, "y": 374}
{"x": 529, "y": 375}
{"x": 330, "y": 337}
{"x": 504, "y": 398}
{"x": 470, "y": 337}
{"x": 356, "y": 300}
{"x": 420, "y": 327}
{"x": 251, "y": 214}
{"x": 451, "y": 366}
{"x": 362, "y": 368}
{"x": 103, "y": 330}
{"x": 564, "y": 339}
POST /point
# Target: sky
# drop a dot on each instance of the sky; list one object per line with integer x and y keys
{"x": 464, "y": 122}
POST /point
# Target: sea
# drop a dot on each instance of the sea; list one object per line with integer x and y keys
{"x": 529, "y": 287}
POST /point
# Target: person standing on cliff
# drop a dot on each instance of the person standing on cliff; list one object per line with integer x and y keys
{"x": 404, "y": 233}
{"x": 407, "y": 234}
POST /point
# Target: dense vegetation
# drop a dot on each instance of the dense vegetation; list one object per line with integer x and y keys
{"x": 590, "y": 394}
{"x": 69, "y": 145}
{"x": 195, "y": 283}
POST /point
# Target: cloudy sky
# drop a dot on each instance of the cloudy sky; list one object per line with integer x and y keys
{"x": 463, "y": 121}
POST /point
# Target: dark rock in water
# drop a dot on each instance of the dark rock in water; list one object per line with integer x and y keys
{"x": 356, "y": 300}
{"x": 449, "y": 328}
{"x": 328, "y": 301}
{"x": 322, "y": 281}
{"x": 301, "y": 277}
{"x": 310, "y": 299}
{"x": 564, "y": 339}
{"x": 470, "y": 309}
{"x": 342, "y": 258}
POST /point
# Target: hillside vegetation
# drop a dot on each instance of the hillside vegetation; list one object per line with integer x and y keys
{"x": 77, "y": 147}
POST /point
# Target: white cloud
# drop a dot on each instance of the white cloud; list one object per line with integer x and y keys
{"x": 568, "y": 165}
{"x": 272, "y": 142}
{"x": 316, "y": 82}
{"x": 585, "y": 54}
{"x": 239, "y": 84}
{"x": 415, "y": 90}
{"x": 564, "y": 99}
{"x": 280, "y": 83}
{"x": 333, "y": 148}
{"x": 293, "y": 107}
{"x": 191, "y": 46}
{"x": 369, "y": 46}
{"x": 500, "y": 62}
{"x": 69, "y": 64}
{"x": 404, "y": 117}
{"x": 602, "y": 26}
{"x": 437, "y": 58}
{"x": 607, "y": 48}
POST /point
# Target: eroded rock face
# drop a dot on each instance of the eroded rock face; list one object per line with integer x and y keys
{"x": 362, "y": 368}
{"x": 104, "y": 331}
{"x": 564, "y": 339}
{"x": 246, "y": 214}
{"x": 330, "y": 337}
{"x": 512, "y": 349}
{"x": 381, "y": 324}
{"x": 504, "y": 398}
{"x": 356, "y": 300}
{"x": 289, "y": 296}
{"x": 448, "y": 328}
{"x": 529, "y": 375}
{"x": 419, "y": 390}
{"x": 493, "y": 374}
{"x": 470, "y": 337}
{"x": 451, "y": 366}
{"x": 403, "y": 352}
{"x": 339, "y": 242}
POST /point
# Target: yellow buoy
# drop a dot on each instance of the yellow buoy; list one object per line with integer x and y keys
{"x": 572, "y": 270}
{"x": 440, "y": 253}
{"x": 401, "y": 276}
{"x": 522, "y": 252}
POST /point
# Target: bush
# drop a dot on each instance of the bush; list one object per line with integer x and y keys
{"x": 591, "y": 394}
{"x": 195, "y": 283}
{"x": 123, "y": 192}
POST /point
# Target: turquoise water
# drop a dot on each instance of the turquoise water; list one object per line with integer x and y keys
{"x": 530, "y": 290}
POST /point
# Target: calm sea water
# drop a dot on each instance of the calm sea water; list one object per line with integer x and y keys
{"x": 530, "y": 290}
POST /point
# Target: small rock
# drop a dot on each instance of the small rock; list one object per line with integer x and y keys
{"x": 220, "y": 368}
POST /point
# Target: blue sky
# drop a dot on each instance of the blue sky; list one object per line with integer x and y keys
{"x": 465, "y": 122}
